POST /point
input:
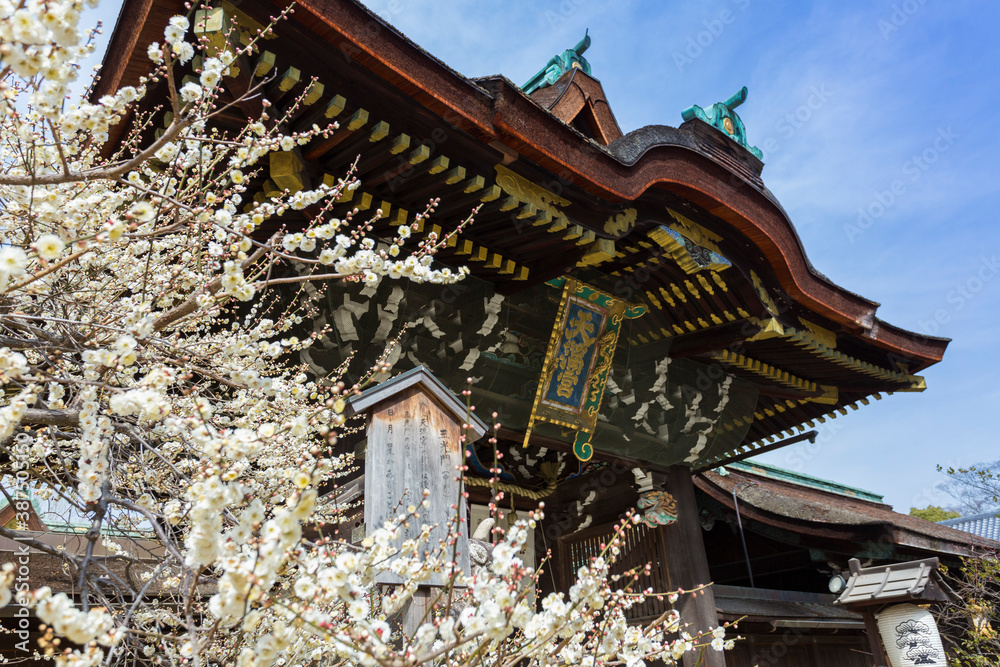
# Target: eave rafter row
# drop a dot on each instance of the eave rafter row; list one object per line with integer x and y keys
{"x": 781, "y": 408}
{"x": 806, "y": 341}
{"x": 765, "y": 371}
{"x": 287, "y": 170}
{"x": 822, "y": 344}
{"x": 764, "y": 413}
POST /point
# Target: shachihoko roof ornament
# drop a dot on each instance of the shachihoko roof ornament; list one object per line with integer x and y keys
{"x": 722, "y": 117}
{"x": 559, "y": 65}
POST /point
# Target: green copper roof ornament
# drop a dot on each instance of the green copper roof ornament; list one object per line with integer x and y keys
{"x": 722, "y": 117}
{"x": 559, "y": 65}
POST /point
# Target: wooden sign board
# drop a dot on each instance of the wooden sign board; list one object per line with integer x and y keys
{"x": 413, "y": 444}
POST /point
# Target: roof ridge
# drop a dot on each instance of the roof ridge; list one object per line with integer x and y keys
{"x": 802, "y": 479}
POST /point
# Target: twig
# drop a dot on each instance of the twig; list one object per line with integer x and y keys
{"x": 191, "y": 305}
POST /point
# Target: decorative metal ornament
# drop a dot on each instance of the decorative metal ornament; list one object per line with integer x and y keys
{"x": 690, "y": 256}
{"x": 910, "y": 636}
{"x": 723, "y": 118}
{"x": 559, "y": 65}
{"x": 658, "y": 508}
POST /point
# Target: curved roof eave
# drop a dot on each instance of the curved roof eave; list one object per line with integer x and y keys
{"x": 495, "y": 108}
{"x": 680, "y": 166}
{"x": 792, "y": 508}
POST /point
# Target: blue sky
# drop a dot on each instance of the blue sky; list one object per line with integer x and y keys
{"x": 850, "y": 100}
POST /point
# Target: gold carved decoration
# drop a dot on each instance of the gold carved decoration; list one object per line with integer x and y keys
{"x": 694, "y": 232}
{"x": 765, "y": 298}
{"x": 527, "y": 192}
{"x": 824, "y": 336}
{"x": 621, "y": 224}
{"x": 541, "y": 203}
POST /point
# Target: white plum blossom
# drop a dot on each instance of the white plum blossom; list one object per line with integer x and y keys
{"x": 59, "y": 611}
{"x": 190, "y": 91}
{"x": 13, "y": 261}
{"x": 152, "y": 387}
{"x": 49, "y": 246}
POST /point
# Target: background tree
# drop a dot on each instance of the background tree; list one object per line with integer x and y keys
{"x": 933, "y": 513}
{"x": 970, "y": 627}
{"x": 146, "y": 331}
{"x": 976, "y": 489}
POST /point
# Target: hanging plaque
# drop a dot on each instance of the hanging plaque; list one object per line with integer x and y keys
{"x": 578, "y": 361}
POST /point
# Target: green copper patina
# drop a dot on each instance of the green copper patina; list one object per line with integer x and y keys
{"x": 722, "y": 117}
{"x": 559, "y": 65}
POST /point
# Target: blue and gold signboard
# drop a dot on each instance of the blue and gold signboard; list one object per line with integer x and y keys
{"x": 578, "y": 360}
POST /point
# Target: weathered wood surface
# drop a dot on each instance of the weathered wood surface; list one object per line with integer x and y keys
{"x": 875, "y": 638}
{"x": 685, "y": 552}
{"x": 798, "y": 647}
{"x": 413, "y": 445}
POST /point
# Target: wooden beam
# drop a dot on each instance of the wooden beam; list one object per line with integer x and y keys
{"x": 473, "y": 184}
{"x": 264, "y": 64}
{"x": 455, "y": 175}
{"x": 419, "y": 154}
{"x": 315, "y": 93}
{"x": 289, "y": 79}
{"x": 874, "y": 637}
{"x": 357, "y": 119}
{"x": 439, "y": 164}
{"x": 379, "y": 132}
{"x": 335, "y": 107}
{"x": 287, "y": 170}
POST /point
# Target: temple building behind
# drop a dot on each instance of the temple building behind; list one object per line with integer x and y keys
{"x": 640, "y": 313}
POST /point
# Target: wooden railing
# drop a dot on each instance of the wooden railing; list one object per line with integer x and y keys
{"x": 639, "y": 545}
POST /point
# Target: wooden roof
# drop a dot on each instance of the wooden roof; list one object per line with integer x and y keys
{"x": 676, "y": 218}
{"x": 755, "y": 605}
{"x": 578, "y": 100}
{"x": 21, "y": 515}
{"x": 819, "y": 517}
{"x": 430, "y": 385}
{"x": 899, "y": 582}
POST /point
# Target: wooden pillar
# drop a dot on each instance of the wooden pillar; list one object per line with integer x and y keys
{"x": 875, "y": 639}
{"x": 688, "y": 565}
{"x": 415, "y": 610}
